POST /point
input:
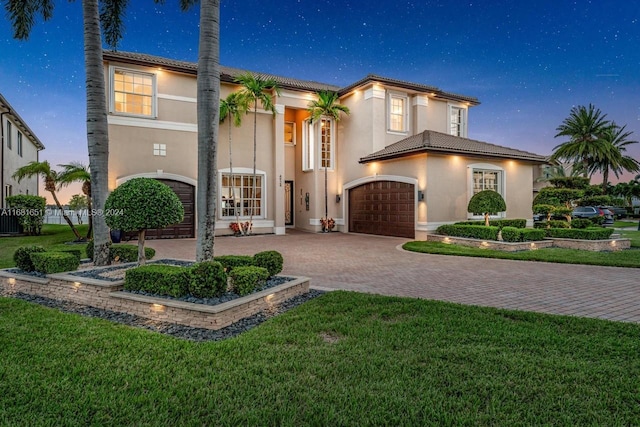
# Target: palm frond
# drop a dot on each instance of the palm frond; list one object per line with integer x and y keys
{"x": 112, "y": 20}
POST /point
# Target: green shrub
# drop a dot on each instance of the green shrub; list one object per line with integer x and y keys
{"x": 486, "y": 202}
{"x": 518, "y": 223}
{"x": 559, "y": 223}
{"x": 128, "y": 253}
{"x": 469, "y": 231}
{"x": 511, "y": 234}
{"x": 208, "y": 280}
{"x": 248, "y": 279}
{"x": 159, "y": 279}
{"x": 529, "y": 235}
{"x": 22, "y": 256}
{"x": 581, "y": 223}
{"x": 30, "y": 211}
{"x": 582, "y": 234}
{"x": 54, "y": 262}
{"x": 271, "y": 260}
{"x": 75, "y": 252}
{"x": 597, "y": 220}
{"x": 229, "y": 262}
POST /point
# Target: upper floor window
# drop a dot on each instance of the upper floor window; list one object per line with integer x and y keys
{"x": 326, "y": 143}
{"x": 9, "y": 135}
{"x": 322, "y": 132}
{"x": 19, "y": 145}
{"x": 457, "y": 121}
{"x": 133, "y": 93}
{"x": 397, "y": 108}
{"x": 290, "y": 133}
{"x": 241, "y": 195}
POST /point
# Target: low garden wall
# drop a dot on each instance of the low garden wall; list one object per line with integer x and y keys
{"x": 109, "y": 296}
{"x": 588, "y": 245}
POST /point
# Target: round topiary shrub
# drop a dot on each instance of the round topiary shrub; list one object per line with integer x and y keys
{"x": 271, "y": 260}
{"x": 486, "y": 202}
{"x": 22, "y": 257}
{"x": 142, "y": 203}
{"x": 208, "y": 280}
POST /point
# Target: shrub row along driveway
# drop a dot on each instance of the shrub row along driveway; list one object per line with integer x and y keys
{"x": 376, "y": 264}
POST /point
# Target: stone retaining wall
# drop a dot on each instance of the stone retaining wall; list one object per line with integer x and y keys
{"x": 587, "y": 245}
{"x": 109, "y": 296}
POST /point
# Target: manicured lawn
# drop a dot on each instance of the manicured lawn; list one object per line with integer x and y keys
{"x": 623, "y": 224}
{"x": 634, "y": 235}
{"x": 626, "y": 258}
{"x": 52, "y": 237}
{"x": 341, "y": 359}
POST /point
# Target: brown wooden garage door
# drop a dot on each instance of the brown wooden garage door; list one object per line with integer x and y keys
{"x": 186, "y": 228}
{"x": 385, "y": 208}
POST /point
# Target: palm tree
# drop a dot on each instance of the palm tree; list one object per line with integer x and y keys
{"x": 584, "y": 127}
{"x": 326, "y": 106}
{"x": 22, "y": 15}
{"x": 254, "y": 91}
{"x": 50, "y": 178}
{"x": 77, "y": 172}
{"x": 232, "y": 107}
{"x": 612, "y": 157}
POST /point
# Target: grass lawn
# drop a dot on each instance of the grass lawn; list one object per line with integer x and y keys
{"x": 623, "y": 224}
{"x": 52, "y": 237}
{"x": 342, "y": 359}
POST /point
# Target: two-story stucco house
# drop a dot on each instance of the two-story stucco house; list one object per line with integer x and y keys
{"x": 19, "y": 147}
{"x": 400, "y": 164}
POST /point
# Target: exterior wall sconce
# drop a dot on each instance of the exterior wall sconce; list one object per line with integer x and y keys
{"x": 338, "y": 198}
{"x": 420, "y": 196}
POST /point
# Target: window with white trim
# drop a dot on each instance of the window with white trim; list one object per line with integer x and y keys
{"x": 457, "y": 121}
{"x": 326, "y": 143}
{"x": 133, "y": 92}
{"x": 159, "y": 149}
{"x": 487, "y": 180}
{"x": 19, "y": 144}
{"x": 289, "y": 133}
{"x": 240, "y": 197}
{"x": 397, "y": 112}
{"x": 322, "y": 132}
{"x": 9, "y": 134}
{"x": 308, "y": 145}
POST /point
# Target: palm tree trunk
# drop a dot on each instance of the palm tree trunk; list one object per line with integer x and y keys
{"x": 255, "y": 148}
{"x": 97, "y": 128}
{"x": 326, "y": 197}
{"x": 605, "y": 180}
{"x": 208, "y": 82}
{"x": 233, "y": 182}
{"x": 64, "y": 215}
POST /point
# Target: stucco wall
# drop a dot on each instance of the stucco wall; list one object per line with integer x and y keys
{"x": 12, "y": 161}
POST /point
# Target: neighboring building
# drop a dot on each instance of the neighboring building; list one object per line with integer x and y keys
{"x": 400, "y": 164}
{"x": 19, "y": 147}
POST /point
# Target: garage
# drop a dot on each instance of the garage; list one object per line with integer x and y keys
{"x": 385, "y": 208}
{"x": 186, "y": 229}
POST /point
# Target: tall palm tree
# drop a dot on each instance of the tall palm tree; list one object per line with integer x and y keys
{"x": 255, "y": 90}
{"x": 584, "y": 127}
{"x": 612, "y": 157}
{"x": 326, "y": 106}
{"x": 51, "y": 180}
{"x": 22, "y": 15}
{"x": 232, "y": 108}
{"x": 77, "y": 172}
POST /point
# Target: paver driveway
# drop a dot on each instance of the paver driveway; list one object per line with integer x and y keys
{"x": 378, "y": 265}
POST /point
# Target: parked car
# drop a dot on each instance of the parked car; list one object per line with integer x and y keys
{"x": 617, "y": 211}
{"x": 592, "y": 212}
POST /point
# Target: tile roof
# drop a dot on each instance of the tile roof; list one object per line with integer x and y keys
{"x": 228, "y": 74}
{"x": 436, "y": 142}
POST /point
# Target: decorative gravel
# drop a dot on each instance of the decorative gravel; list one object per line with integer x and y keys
{"x": 178, "y": 331}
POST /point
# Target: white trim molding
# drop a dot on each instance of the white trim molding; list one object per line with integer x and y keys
{"x": 157, "y": 175}
{"x": 374, "y": 93}
{"x": 152, "y": 124}
{"x": 177, "y": 98}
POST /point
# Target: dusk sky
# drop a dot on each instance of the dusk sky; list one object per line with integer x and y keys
{"x": 527, "y": 63}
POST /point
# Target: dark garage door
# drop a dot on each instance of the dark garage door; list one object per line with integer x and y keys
{"x": 385, "y": 208}
{"x": 186, "y": 228}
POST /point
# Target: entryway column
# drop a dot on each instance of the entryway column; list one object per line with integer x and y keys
{"x": 278, "y": 149}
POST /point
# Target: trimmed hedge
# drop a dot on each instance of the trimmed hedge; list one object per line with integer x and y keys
{"x": 532, "y": 235}
{"x": 229, "y": 262}
{"x": 208, "y": 280}
{"x": 271, "y": 260}
{"x": 248, "y": 279}
{"x": 54, "y": 262}
{"x": 159, "y": 279}
{"x": 517, "y": 223}
{"x": 581, "y": 223}
{"x": 469, "y": 231}
{"x": 512, "y": 234}
{"x": 122, "y": 252}
{"x": 30, "y": 211}
{"x": 582, "y": 234}
{"x": 75, "y": 252}
{"x": 22, "y": 257}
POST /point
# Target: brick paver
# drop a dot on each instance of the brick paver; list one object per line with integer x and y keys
{"x": 378, "y": 265}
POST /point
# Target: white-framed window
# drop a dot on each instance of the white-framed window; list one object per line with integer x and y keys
{"x": 486, "y": 176}
{"x": 133, "y": 93}
{"x": 289, "y": 133}
{"x": 9, "y": 134}
{"x": 318, "y": 140}
{"x": 159, "y": 149}
{"x": 397, "y": 109}
{"x": 19, "y": 144}
{"x": 458, "y": 121}
{"x": 239, "y": 196}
